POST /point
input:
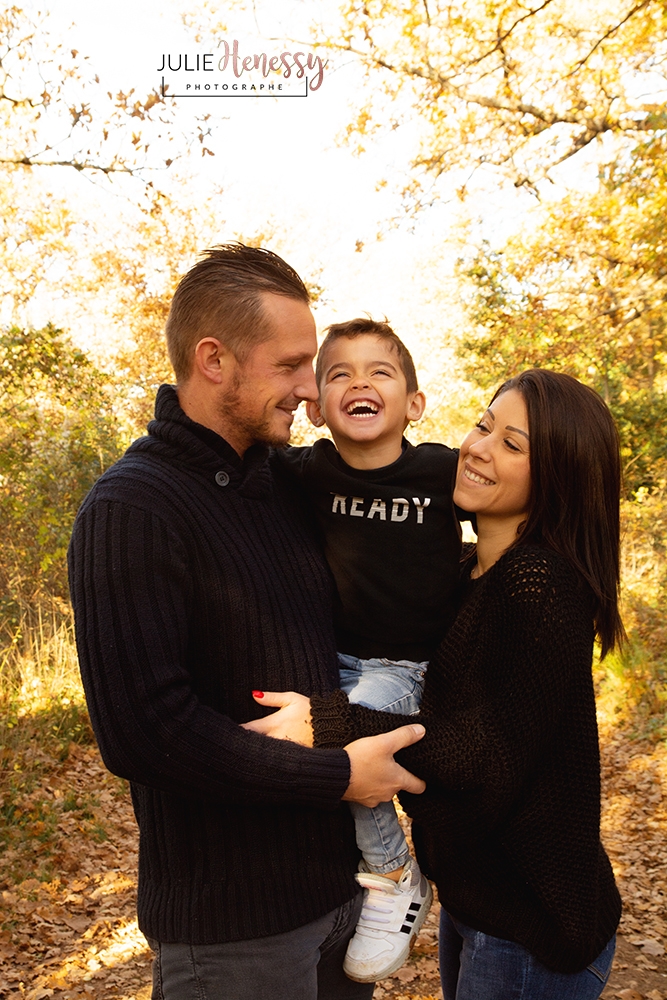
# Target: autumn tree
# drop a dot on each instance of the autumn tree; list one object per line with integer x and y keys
{"x": 58, "y": 120}
{"x": 517, "y": 86}
{"x": 584, "y": 289}
{"x": 55, "y": 111}
{"x": 58, "y": 431}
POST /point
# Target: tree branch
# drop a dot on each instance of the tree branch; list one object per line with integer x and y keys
{"x": 608, "y": 34}
{"x": 501, "y": 39}
{"x": 27, "y": 161}
{"x": 428, "y": 16}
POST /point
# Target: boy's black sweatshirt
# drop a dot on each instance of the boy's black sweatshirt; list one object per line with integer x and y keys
{"x": 392, "y": 540}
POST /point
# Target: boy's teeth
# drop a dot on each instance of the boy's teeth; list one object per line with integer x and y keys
{"x": 362, "y": 409}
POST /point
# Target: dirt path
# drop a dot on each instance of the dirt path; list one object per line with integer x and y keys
{"x": 75, "y": 935}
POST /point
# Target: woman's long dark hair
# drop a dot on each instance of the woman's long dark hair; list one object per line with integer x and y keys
{"x": 575, "y": 469}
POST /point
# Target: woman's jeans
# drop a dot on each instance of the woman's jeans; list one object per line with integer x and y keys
{"x": 476, "y": 966}
{"x": 390, "y": 686}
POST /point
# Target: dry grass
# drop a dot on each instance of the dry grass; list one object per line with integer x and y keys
{"x": 42, "y": 712}
{"x": 633, "y": 680}
{"x": 39, "y": 661}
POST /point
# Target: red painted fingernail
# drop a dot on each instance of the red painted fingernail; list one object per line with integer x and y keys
{"x": 258, "y": 694}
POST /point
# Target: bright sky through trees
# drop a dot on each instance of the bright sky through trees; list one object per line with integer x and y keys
{"x": 279, "y": 165}
{"x": 462, "y": 113}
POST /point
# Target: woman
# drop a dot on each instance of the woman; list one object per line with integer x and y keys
{"x": 508, "y": 827}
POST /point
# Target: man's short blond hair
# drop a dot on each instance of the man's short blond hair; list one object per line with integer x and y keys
{"x": 221, "y": 297}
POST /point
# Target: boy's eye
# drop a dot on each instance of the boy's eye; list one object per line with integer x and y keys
{"x": 380, "y": 371}
{"x": 339, "y": 375}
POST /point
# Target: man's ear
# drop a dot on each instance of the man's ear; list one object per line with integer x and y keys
{"x": 416, "y": 404}
{"x": 213, "y": 359}
{"x": 314, "y": 413}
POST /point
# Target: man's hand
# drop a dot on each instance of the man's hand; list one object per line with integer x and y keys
{"x": 374, "y": 774}
{"x": 291, "y": 722}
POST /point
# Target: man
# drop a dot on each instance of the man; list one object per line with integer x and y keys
{"x": 195, "y": 579}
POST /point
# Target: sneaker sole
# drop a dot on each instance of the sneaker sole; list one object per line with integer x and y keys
{"x": 417, "y": 926}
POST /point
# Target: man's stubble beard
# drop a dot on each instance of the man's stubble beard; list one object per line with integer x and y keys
{"x": 255, "y": 431}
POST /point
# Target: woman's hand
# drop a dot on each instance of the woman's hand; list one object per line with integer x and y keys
{"x": 292, "y": 721}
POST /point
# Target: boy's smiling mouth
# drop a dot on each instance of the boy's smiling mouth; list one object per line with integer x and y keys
{"x": 362, "y": 408}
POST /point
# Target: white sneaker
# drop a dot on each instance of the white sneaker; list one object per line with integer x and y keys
{"x": 390, "y": 920}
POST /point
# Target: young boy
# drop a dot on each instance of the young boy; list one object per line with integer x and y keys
{"x": 393, "y": 543}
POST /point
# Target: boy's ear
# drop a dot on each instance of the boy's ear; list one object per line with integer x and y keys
{"x": 416, "y": 404}
{"x": 314, "y": 413}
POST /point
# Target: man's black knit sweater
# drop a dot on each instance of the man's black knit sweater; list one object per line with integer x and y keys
{"x": 195, "y": 579}
{"x": 508, "y": 827}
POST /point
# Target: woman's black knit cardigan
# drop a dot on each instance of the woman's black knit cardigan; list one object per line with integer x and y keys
{"x": 508, "y": 827}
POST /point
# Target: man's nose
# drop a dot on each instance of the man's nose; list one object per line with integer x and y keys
{"x": 307, "y": 387}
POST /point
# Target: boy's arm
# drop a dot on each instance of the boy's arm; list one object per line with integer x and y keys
{"x": 294, "y": 460}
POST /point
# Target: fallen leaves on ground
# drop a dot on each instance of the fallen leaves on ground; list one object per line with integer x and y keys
{"x": 75, "y": 934}
{"x": 72, "y": 932}
{"x": 634, "y": 830}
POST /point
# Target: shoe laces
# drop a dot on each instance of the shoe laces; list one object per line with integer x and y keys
{"x": 377, "y": 903}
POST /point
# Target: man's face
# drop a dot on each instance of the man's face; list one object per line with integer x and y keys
{"x": 258, "y": 403}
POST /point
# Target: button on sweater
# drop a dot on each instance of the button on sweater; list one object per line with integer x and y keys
{"x": 195, "y": 579}
{"x": 509, "y": 825}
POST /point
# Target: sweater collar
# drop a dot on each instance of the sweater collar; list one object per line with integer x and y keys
{"x": 191, "y": 444}
{"x": 382, "y": 472}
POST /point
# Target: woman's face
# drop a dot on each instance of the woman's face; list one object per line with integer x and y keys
{"x": 493, "y": 476}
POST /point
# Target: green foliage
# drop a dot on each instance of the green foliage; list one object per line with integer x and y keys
{"x": 58, "y": 432}
{"x": 584, "y": 290}
{"x": 633, "y": 682}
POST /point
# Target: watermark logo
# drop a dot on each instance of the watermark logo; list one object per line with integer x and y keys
{"x": 232, "y": 72}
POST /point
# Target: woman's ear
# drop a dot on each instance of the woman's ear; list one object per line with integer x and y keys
{"x": 315, "y": 414}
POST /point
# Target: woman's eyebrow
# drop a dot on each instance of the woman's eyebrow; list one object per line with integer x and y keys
{"x": 517, "y": 430}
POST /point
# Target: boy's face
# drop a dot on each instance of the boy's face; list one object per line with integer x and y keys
{"x": 363, "y": 393}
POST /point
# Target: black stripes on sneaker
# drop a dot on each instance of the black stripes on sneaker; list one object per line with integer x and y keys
{"x": 410, "y": 917}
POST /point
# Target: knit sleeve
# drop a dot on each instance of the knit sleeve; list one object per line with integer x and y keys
{"x": 293, "y": 459}
{"x": 130, "y": 587}
{"x": 496, "y": 686}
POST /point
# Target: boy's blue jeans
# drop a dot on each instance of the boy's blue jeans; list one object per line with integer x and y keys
{"x": 390, "y": 686}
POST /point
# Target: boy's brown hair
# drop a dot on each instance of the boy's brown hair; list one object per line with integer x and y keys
{"x": 368, "y": 327}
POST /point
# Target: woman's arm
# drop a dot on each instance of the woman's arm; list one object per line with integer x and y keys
{"x": 520, "y": 649}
